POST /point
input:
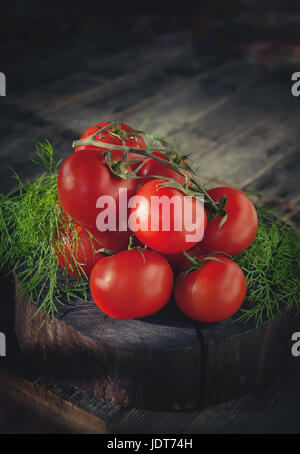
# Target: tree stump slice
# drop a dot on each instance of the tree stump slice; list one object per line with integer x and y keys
{"x": 162, "y": 362}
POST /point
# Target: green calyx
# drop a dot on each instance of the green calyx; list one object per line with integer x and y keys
{"x": 140, "y": 249}
{"x": 220, "y": 211}
{"x": 105, "y": 251}
{"x": 119, "y": 168}
{"x": 197, "y": 264}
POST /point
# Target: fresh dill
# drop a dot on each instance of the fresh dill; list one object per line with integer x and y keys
{"x": 272, "y": 268}
{"x": 30, "y": 221}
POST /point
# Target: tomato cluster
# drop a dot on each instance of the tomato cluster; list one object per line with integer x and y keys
{"x": 132, "y": 268}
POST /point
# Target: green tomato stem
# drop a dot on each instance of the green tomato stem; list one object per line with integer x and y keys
{"x": 191, "y": 259}
{"x": 147, "y": 154}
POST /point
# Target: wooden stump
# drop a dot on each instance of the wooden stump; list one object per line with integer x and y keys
{"x": 161, "y": 362}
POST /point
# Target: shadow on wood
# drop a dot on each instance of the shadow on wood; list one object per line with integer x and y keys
{"x": 163, "y": 362}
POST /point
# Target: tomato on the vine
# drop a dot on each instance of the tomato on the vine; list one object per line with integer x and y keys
{"x": 172, "y": 226}
{"x": 178, "y": 261}
{"x": 153, "y": 167}
{"x": 77, "y": 245}
{"x": 82, "y": 179}
{"x": 110, "y": 137}
{"x": 239, "y": 230}
{"x": 115, "y": 241}
{"x": 131, "y": 284}
{"x": 213, "y": 292}
{"x": 76, "y": 251}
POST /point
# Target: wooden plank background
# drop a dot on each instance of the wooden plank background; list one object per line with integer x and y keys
{"x": 235, "y": 115}
{"x": 239, "y": 120}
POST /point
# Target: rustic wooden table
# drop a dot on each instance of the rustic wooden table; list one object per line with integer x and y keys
{"x": 238, "y": 118}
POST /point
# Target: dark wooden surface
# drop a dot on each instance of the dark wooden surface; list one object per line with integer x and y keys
{"x": 162, "y": 362}
{"x": 272, "y": 409}
{"x": 233, "y": 110}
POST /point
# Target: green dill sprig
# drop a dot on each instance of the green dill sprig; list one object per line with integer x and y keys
{"x": 44, "y": 153}
{"x": 30, "y": 225}
{"x": 272, "y": 268}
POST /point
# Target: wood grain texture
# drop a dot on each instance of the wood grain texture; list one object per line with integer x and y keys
{"x": 64, "y": 410}
{"x": 163, "y": 362}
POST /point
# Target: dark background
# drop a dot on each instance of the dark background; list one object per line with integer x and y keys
{"x": 52, "y": 54}
{"x": 69, "y": 63}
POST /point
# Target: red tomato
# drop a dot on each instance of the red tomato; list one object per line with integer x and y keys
{"x": 115, "y": 241}
{"x": 178, "y": 261}
{"x": 172, "y": 238}
{"x": 81, "y": 250}
{"x": 128, "y": 285}
{"x": 153, "y": 167}
{"x": 239, "y": 230}
{"x": 213, "y": 292}
{"x": 82, "y": 179}
{"x": 106, "y": 136}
